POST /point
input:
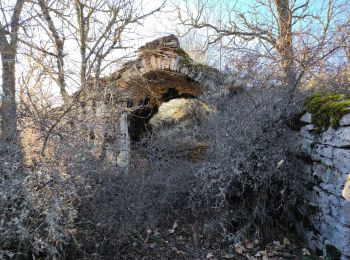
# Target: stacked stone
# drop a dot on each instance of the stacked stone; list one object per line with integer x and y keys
{"x": 162, "y": 58}
{"x": 165, "y": 54}
{"x": 325, "y": 188}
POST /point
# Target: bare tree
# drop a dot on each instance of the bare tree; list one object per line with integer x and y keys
{"x": 59, "y": 45}
{"x": 112, "y": 20}
{"x": 287, "y": 31}
{"x": 344, "y": 41}
{"x": 97, "y": 32}
{"x": 8, "y": 51}
{"x": 196, "y": 46}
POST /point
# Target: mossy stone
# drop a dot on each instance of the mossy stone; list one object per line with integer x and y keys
{"x": 186, "y": 61}
{"x": 327, "y": 109}
{"x": 181, "y": 52}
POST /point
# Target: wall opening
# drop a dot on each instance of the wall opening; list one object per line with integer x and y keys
{"x": 139, "y": 119}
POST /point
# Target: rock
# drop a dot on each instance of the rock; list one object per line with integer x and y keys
{"x": 304, "y": 146}
{"x": 342, "y": 160}
{"x": 304, "y": 132}
{"x": 345, "y": 120}
{"x": 310, "y": 127}
{"x": 306, "y": 118}
{"x": 170, "y": 41}
{"x": 331, "y": 179}
{"x": 338, "y": 138}
{"x": 324, "y": 150}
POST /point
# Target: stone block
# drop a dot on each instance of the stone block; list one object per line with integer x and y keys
{"x": 345, "y": 120}
{"x": 306, "y": 118}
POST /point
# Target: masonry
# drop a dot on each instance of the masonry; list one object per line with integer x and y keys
{"x": 131, "y": 96}
{"x": 323, "y": 207}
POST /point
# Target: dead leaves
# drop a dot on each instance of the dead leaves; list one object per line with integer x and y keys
{"x": 239, "y": 249}
{"x": 172, "y": 230}
{"x": 173, "y": 244}
{"x": 273, "y": 251}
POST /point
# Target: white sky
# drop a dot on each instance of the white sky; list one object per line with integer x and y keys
{"x": 153, "y": 27}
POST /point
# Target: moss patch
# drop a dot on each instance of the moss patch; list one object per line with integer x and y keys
{"x": 186, "y": 61}
{"x": 327, "y": 109}
{"x": 204, "y": 67}
{"x": 183, "y": 54}
{"x": 197, "y": 67}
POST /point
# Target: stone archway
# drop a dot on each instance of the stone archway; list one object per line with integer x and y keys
{"x": 163, "y": 71}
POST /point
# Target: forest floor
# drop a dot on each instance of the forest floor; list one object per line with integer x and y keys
{"x": 177, "y": 243}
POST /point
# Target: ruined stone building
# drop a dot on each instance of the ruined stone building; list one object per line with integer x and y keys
{"x": 133, "y": 96}
{"x": 164, "y": 87}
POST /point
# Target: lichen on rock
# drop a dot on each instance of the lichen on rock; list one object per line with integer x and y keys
{"x": 327, "y": 109}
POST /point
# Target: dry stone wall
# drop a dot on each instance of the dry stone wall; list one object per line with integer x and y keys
{"x": 323, "y": 209}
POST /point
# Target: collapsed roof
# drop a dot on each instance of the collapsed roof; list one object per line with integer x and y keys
{"x": 161, "y": 69}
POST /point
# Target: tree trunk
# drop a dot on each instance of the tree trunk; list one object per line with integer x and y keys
{"x": 83, "y": 32}
{"x": 8, "y": 51}
{"x": 285, "y": 42}
{"x": 8, "y": 112}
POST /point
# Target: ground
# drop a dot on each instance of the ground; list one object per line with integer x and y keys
{"x": 177, "y": 243}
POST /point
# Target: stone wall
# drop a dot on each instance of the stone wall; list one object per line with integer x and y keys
{"x": 323, "y": 183}
{"x": 121, "y": 105}
{"x": 162, "y": 64}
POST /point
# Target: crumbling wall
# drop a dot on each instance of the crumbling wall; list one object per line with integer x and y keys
{"x": 128, "y": 98}
{"x": 323, "y": 208}
{"x": 162, "y": 64}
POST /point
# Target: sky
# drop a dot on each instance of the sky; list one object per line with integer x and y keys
{"x": 156, "y": 26}
{"x": 149, "y": 28}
